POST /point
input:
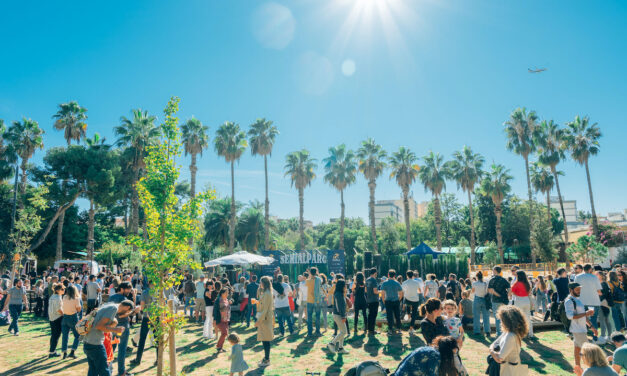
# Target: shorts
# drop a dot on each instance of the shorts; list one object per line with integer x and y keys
{"x": 579, "y": 339}
{"x": 200, "y": 304}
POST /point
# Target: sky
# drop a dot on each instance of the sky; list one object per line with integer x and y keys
{"x": 426, "y": 74}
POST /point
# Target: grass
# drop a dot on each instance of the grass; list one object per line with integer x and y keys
{"x": 550, "y": 354}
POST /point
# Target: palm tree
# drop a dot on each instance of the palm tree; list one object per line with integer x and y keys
{"x": 96, "y": 143}
{"x": 137, "y": 133}
{"x": 341, "y": 171}
{"x": 405, "y": 171}
{"x": 551, "y": 141}
{"x": 230, "y": 143}
{"x": 25, "y": 137}
{"x": 249, "y": 228}
{"x": 300, "y": 166}
{"x": 520, "y": 129}
{"x": 70, "y": 118}
{"x": 433, "y": 175}
{"x": 371, "y": 164}
{"x": 261, "y": 136}
{"x": 496, "y": 186}
{"x": 466, "y": 170}
{"x": 217, "y": 222}
{"x": 543, "y": 181}
{"x": 195, "y": 140}
{"x": 583, "y": 141}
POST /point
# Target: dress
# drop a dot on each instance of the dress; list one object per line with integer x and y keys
{"x": 238, "y": 364}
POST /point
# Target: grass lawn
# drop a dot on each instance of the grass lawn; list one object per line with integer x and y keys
{"x": 551, "y": 354}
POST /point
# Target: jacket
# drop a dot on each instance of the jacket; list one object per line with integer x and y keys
{"x": 265, "y": 322}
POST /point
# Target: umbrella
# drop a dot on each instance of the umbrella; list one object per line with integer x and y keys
{"x": 242, "y": 258}
{"x": 423, "y": 249}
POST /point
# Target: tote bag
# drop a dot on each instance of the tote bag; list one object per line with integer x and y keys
{"x": 508, "y": 369}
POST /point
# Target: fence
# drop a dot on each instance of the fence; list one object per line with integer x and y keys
{"x": 541, "y": 268}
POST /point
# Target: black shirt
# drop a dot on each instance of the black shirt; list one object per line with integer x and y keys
{"x": 360, "y": 296}
{"x": 209, "y": 301}
{"x": 431, "y": 330}
{"x": 500, "y": 286}
{"x": 251, "y": 290}
{"x": 561, "y": 284}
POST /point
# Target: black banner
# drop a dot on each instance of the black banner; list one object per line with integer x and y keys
{"x": 336, "y": 262}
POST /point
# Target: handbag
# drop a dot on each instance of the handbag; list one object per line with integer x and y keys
{"x": 518, "y": 369}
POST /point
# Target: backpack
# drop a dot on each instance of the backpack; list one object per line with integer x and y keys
{"x": 561, "y": 310}
{"x": 618, "y": 294}
{"x": 84, "y": 326}
{"x": 368, "y": 368}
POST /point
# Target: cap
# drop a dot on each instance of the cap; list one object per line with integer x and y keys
{"x": 573, "y": 285}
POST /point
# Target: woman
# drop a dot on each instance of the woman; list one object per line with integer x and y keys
{"x": 433, "y": 324}
{"x": 450, "y": 362}
{"x": 521, "y": 291}
{"x": 265, "y": 320}
{"x": 541, "y": 294}
{"x": 594, "y": 357}
{"x": 207, "y": 330}
{"x": 479, "y": 306}
{"x": 39, "y": 298}
{"x": 222, "y": 307}
{"x": 604, "y": 310}
{"x": 339, "y": 316}
{"x": 359, "y": 292}
{"x": 431, "y": 287}
{"x": 506, "y": 349}
{"x": 618, "y": 296}
{"x": 71, "y": 308}
{"x": 55, "y": 315}
{"x": 324, "y": 306}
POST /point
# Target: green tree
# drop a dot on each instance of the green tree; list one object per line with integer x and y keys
{"x": 250, "y": 228}
{"x": 300, "y": 166}
{"x": 496, "y": 185}
{"x": 390, "y": 239}
{"x": 261, "y": 136}
{"x": 405, "y": 171}
{"x": 7, "y": 154}
{"x": 230, "y": 143}
{"x": 543, "y": 241}
{"x": 341, "y": 170}
{"x": 25, "y": 137}
{"x": 466, "y": 169}
{"x": 543, "y": 181}
{"x": 371, "y": 164}
{"x": 587, "y": 249}
{"x": 583, "y": 142}
{"x": 217, "y": 222}
{"x": 433, "y": 175}
{"x": 519, "y": 130}
{"x": 195, "y": 139}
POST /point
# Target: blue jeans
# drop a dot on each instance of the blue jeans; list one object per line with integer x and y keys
{"x": 122, "y": 351}
{"x": 311, "y": 309}
{"x": 497, "y": 322}
{"x": 69, "y": 324}
{"x": 96, "y": 360}
{"x": 250, "y": 310}
{"x": 479, "y": 309}
{"x": 189, "y": 302}
{"x": 15, "y": 310}
{"x": 284, "y": 314}
{"x": 91, "y": 304}
{"x": 541, "y": 301}
{"x": 594, "y": 318}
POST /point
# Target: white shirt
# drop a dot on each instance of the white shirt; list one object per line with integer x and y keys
{"x": 281, "y": 302}
{"x": 302, "y": 292}
{"x": 573, "y": 306}
{"x": 481, "y": 289}
{"x": 432, "y": 289}
{"x": 421, "y": 284}
{"x": 410, "y": 290}
{"x": 590, "y": 286}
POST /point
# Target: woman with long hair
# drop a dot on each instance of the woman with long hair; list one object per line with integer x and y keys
{"x": 209, "y": 297}
{"x": 265, "y": 321}
{"x": 506, "y": 348}
{"x": 604, "y": 309}
{"x": 222, "y": 316}
{"x": 479, "y": 306}
{"x": 433, "y": 324}
{"x": 521, "y": 292}
{"x": 450, "y": 362}
{"x": 359, "y": 292}
{"x": 594, "y": 357}
{"x": 541, "y": 294}
{"x": 324, "y": 306}
{"x": 55, "y": 315}
{"x": 339, "y": 316}
{"x": 71, "y": 308}
{"x": 618, "y": 295}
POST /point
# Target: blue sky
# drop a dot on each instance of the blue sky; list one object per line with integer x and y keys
{"x": 430, "y": 75}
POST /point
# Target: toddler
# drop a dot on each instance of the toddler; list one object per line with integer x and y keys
{"x": 238, "y": 364}
{"x": 452, "y": 322}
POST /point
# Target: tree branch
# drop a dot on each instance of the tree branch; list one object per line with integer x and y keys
{"x": 60, "y": 210}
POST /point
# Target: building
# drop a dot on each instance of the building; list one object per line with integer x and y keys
{"x": 570, "y": 209}
{"x": 394, "y": 209}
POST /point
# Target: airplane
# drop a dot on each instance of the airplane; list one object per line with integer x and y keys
{"x": 536, "y": 70}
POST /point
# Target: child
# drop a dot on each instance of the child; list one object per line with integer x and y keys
{"x": 465, "y": 308}
{"x": 452, "y": 322}
{"x": 238, "y": 364}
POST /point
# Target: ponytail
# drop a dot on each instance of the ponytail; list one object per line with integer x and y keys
{"x": 431, "y": 305}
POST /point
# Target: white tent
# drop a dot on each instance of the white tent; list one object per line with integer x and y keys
{"x": 242, "y": 258}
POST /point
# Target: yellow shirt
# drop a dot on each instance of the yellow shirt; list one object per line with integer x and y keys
{"x": 71, "y": 306}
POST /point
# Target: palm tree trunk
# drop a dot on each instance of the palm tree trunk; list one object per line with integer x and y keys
{"x": 90, "y": 230}
{"x": 266, "y": 235}
{"x": 559, "y": 196}
{"x": 472, "y": 229}
{"x": 342, "y": 220}
{"x": 135, "y": 203}
{"x": 59, "y": 250}
{"x": 548, "y": 207}
{"x": 438, "y": 221}
{"x": 406, "y": 212}
{"x": 23, "y": 182}
{"x": 595, "y": 224}
{"x": 193, "y": 169}
{"x": 232, "y": 221}
{"x": 499, "y": 236}
{"x": 528, "y": 178}
{"x": 126, "y": 215}
{"x": 531, "y": 209}
{"x": 372, "y": 185}
{"x": 301, "y": 212}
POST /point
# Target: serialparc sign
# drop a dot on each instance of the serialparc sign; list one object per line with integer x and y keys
{"x": 303, "y": 257}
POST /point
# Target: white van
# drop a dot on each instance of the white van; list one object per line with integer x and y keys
{"x": 83, "y": 265}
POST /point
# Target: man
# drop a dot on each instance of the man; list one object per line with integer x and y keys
{"x": 302, "y": 298}
{"x": 93, "y": 292}
{"x": 411, "y": 292}
{"x": 590, "y": 291}
{"x": 619, "y": 358}
{"x": 15, "y": 301}
{"x": 499, "y": 290}
{"x": 124, "y": 293}
{"x": 561, "y": 284}
{"x": 104, "y": 321}
{"x": 189, "y": 290}
{"x": 392, "y": 294}
{"x": 421, "y": 286}
{"x": 372, "y": 299}
{"x": 200, "y": 299}
{"x": 251, "y": 290}
{"x": 577, "y": 269}
{"x": 314, "y": 298}
{"x": 578, "y": 316}
{"x": 514, "y": 269}
{"x": 455, "y": 288}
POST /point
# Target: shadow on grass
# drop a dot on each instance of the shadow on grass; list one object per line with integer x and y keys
{"x": 304, "y": 347}
{"x": 335, "y": 369}
{"x": 547, "y": 354}
{"x": 39, "y": 365}
{"x": 189, "y": 368}
{"x": 394, "y": 347}
{"x": 372, "y": 346}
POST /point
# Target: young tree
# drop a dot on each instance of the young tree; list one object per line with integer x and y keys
{"x": 587, "y": 249}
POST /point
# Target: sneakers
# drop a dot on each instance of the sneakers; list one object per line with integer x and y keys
{"x": 331, "y": 347}
{"x": 53, "y": 355}
{"x": 72, "y": 355}
{"x": 601, "y": 341}
{"x": 64, "y": 355}
{"x": 411, "y": 331}
{"x": 342, "y": 351}
{"x": 264, "y": 363}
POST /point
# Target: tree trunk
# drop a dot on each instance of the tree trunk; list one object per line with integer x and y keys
{"x": 59, "y": 250}
{"x": 135, "y": 205}
{"x": 342, "y": 220}
{"x": 438, "y": 221}
{"x": 559, "y": 196}
{"x": 266, "y": 225}
{"x": 301, "y": 212}
{"x": 528, "y": 178}
{"x": 90, "y": 230}
{"x": 472, "y": 229}
{"x": 406, "y": 215}
{"x": 548, "y": 207}
{"x": 499, "y": 236}
{"x": 160, "y": 342}
{"x": 23, "y": 183}
{"x": 372, "y": 185}
{"x": 531, "y": 209}
{"x": 595, "y": 223}
{"x": 126, "y": 215}
{"x": 232, "y": 221}
{"x": 60, "y": 210}
{"x": 192, "y": 170}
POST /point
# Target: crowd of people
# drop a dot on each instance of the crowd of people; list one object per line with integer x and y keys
{"x": 586, "y": 298}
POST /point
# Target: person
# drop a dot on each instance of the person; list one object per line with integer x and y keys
{"x": 505, "y": 350}
{"x": 104, "y": 321}
{"x": 14, "y": 302}
{"x": 265, "y": 321}
{"x": 480, "y": 306}
{"x": 411, "y": 293}
{"x": 590, "y": 292}
{"x": 452, "y": 322}
{"x": 209, "y": 298}
{"x": 55, "y": 316}
{"x": 578, "y": 315}
{"x": 618, "y": 297}
{"x": 93, "y": 290}
{"x": 541, "y": 291}
{"x": 454, "y": 287}
{"x": 71, "y": 307}
{"x": 372, "y": 299}
{"x": 361, "y": 305}
{"x": 199, "y": 309}
{"x": 324, "y": 305}
{"x": 450, "y": 362}
{"x": 604, "y": 309}
{"x": 431, "y": 287}
{"x": 421, "y": 287}
{"x": 561, "y": 284}
{"x": 124, "y": 293}
{"x": 251, "y": 291}
{"x": 619, "y": 357}
{"x": 242, "y": 297}
{"x": 281, "y": 292}
{"x": 392, "y": 293}
{"x": 222, "y": 316}
{"x": 424, "y": 361}
{"x": 238, "y": 364}
{"x": 499, "y": 290}
{"x": 432, "y": 325}
{"x": 339, "y": 316}
{"x": 146, "y": 301}
{"x": 521, "y": 290}
{"x": 594, "y": 358}
{"x": 314, "y": 299}
{"x": 466, "y": 309}
{"x": 39, "y": 298}
{"x": 302, "y": 298}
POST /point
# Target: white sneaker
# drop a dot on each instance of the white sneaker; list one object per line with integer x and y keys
{"x": 331, "y": 347}
{"x": 264, "y": 363}
{"x": 600, "y": 341}
{"x": 342, "y": 351}
{"x": 411, "y": 331}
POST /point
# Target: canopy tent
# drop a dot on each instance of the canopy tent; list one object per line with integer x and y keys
{"x": 422, "y": 249}
{"x": 242, "y": 258}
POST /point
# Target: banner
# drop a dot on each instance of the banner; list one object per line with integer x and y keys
{"x": 336, "y": 262}
{"x": 304, "y": 257}
{"x": 269, "y": 269}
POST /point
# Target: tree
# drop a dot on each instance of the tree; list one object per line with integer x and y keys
{"x": 230, "y": 143}
{"x": 341, "y": 170}
{"x": 390, "y": 239}
{"x": 195, "y": 139}
{"x": 70, "y": 118}
{"x": 520, "y": 129}
{"x": 300, "y": 166}
{"x": 250, "y": 228}
{"x": 433, "y": 175}
{"x": 543, "y": 242}
{"x": 261, "y": 136}
{"x": 587, "y": 249}
{"x": 25, "y": 137}
{"x": 466, "y": 170}
{"x": 371, "y": 165}
{"x": 7, "y": 154}
{"x": 217, "y": 222}
{"x": 405, "y": 171}
{"x": 583, "y": 142}
{"x": 543, "y": 181}
{"x": 496, "y": 186}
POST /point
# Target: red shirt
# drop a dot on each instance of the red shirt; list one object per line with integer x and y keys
{"x": 519, "y": 289}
